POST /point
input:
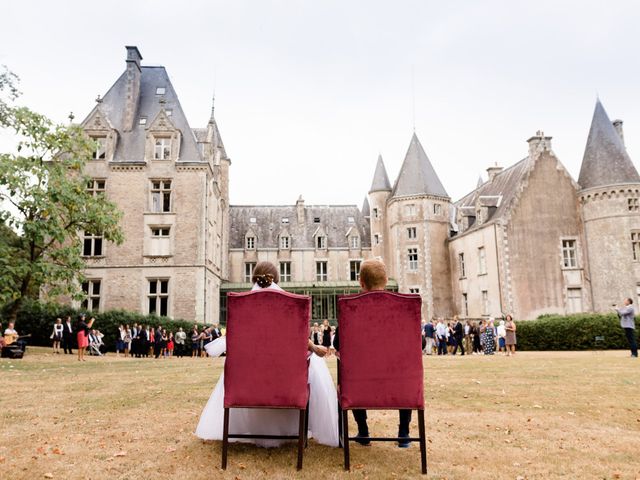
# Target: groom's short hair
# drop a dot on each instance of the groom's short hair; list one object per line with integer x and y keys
{"x": 373, "y": 274}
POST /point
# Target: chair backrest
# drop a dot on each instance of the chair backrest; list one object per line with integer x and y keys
{"x": 380, "y": 351}
{"x": 267, "y": 341}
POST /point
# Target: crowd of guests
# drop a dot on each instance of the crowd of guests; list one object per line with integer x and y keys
{"x": 472, "y": 337}
{"x": 131, "y": 341}
{"x": 323, "y": 335}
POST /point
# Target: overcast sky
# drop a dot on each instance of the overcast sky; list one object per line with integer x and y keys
{"x": 309, "y": 92}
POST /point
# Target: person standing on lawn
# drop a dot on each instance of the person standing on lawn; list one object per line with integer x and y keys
{"x": 627, "y": 316}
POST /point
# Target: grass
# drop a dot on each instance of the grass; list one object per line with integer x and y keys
{"x": 535, "y": 416}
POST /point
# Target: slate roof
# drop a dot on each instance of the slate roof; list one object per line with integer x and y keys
{"x": 380, "y": 178}
{"x": 605, "y": 161}
{"x": 497, "y": 193}
{"x": 417, "y": 176}
{"x": 334, "y": 219}
{"x": 131, "y": 145}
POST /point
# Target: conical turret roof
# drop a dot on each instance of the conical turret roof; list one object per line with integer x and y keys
{"x": 366, "y": 210}
{"x": 380, "y": 178}
{"x": 605, "y": 161}
{"x": 417, "y": 176}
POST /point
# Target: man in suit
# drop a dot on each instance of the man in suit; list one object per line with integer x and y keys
{"x": 67, "y": 336}
{"x": 373, "y": 277}
{"x": 458, "y": 335}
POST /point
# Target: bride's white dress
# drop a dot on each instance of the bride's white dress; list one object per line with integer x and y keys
{"x": 323, "y": 409}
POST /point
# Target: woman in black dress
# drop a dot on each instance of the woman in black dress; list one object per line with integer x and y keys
{"x": 326, "y": 334}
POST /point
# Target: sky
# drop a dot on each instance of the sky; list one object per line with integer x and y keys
{"x": 309, "y": 93}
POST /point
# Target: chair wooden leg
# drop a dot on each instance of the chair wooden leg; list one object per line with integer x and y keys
{"x": 225, "y": 438}
{"x": 423, "y": 441}
{"x": 345, "y": 438}
{"x": 301, "y": 439}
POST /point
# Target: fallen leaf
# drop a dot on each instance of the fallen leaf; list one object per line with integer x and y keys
{"x": 120, "y": 454}
{"x": 57, "y": 451}
{"x": 537, "y": 406}
{"x": 48, "y": 475}
{"x": 170, "y": 449}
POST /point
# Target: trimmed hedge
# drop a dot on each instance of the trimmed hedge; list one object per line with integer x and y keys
{"x": 572, "y": 332}
{"x": 37, "y": 318}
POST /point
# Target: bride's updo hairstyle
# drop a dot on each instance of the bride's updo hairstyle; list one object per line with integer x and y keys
{"x": 264, "y": 274}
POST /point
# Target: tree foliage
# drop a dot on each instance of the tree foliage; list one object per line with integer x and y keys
{"x": 44, "y": 198}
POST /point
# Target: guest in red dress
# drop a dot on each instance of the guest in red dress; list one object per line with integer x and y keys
{"x": 83, "y": 336}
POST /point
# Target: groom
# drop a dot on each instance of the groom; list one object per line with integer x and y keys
{"x": 373, "y": 277}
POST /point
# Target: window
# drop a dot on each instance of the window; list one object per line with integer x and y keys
{"x": 410, "y": 210}
{"x": 250, "y": 243}
{"x": 350, "y": 220}
{"x": 285, "y": 219}
{"x": 253, "y": 220}
{"x": 169, "y": 112}
{"x": 96, "y": 187}
{"x": 414, "y": 290}
{"x": 316, "y": 219}
{"x": 161, "y": 196}
{"x": 375, "y": 212}
{"x": 285, "y": 271}
{"x": 411, "y": 233}
{"x": 158, "y": 296}
{"x": 465, "y": 304}
{"x": 321, "y": 271}
{"x": 463, "y": 270}
{"x": 569, "y": 256}
{"x": 376, "y": 239}
{"x": 92, "y": 245}
{"x": 248, "y": 271}
{"x": 160, "y": 241}
{"x": 160, "y": 90}
{"x": 100, "y": 151}
{"x": 437, "y": 209}
{"x": 354, "y": 270}
{"x": 163, "y": 149}
{"x": 355, "y": 242}
{"x": 160, "y": 232}
{"x": 635, "y": 244}
{"x": 574, "y": 300}
{"x": 413, "y": 259}
{"x": 284, "y": 243}
{"x": 633, "y": 204}
{"x": 482, "y": 261}
{"x": 485, "y": 302}
{"x": 321, "y": 242}
{"x": 142, "y": 121}
{"x": 91, "y": 289}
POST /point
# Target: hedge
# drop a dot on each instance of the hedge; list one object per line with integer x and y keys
{"x": 572, "y": 332}
{"x": 37, "y": 318}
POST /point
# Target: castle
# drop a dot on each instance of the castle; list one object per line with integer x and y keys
{"x": 528, "y": 241}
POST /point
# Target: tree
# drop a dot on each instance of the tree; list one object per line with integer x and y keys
{"x": 44, "y": 198}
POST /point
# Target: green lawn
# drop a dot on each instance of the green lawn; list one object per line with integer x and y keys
{"x": 535, "y": 415}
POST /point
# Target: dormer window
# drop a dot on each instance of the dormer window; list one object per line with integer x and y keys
{"x": 321, "y": 242}
{"x": 350, "y": 220}
{"x": 100, "y": 151}
{"x": 162, "y": 149}
{"x": 316, "y": 219}
{"x": 142, "y": 121}
{"x": 250, "y": 243}
{"x": 169, "y": 112}
{"x": 161, "y": 90}
{"x": 284, "y": 242}
{"x": 252, "y": 220}
{"x": 285, "y": 219}
{"x": 355, "y": 242}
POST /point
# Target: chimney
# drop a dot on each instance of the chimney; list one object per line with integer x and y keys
{"x": 539, "y": 143}
{"x": 617, "y": 124}
{"x": 492, "y": 172}
{"x": 132, "y": 87}
{"x": 300, "y": 209}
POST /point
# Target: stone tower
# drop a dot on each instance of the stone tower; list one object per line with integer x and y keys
{"x": 417, "y": 228}
{"x": 377, "y": 204}
{"x": 610, "y": 203}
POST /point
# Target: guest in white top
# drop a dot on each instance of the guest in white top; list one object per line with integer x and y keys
{"x": 323, "y": 402}
{"x": 56, "y": 335}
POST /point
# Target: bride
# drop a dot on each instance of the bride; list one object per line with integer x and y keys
{"x": 323, "y": 403}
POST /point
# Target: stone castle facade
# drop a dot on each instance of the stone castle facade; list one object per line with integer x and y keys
{"x": 528, "y": 241}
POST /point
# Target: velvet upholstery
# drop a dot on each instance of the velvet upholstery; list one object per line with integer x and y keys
{"x": 267, "y": 342}
{"x": 380, "y": 351}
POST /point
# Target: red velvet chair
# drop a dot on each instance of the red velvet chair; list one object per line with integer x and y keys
{"x": 380, "y": 364}
{"x": 269, "y": 328}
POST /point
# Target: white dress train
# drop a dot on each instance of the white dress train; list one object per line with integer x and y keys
{"x": 323, "y": 409}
